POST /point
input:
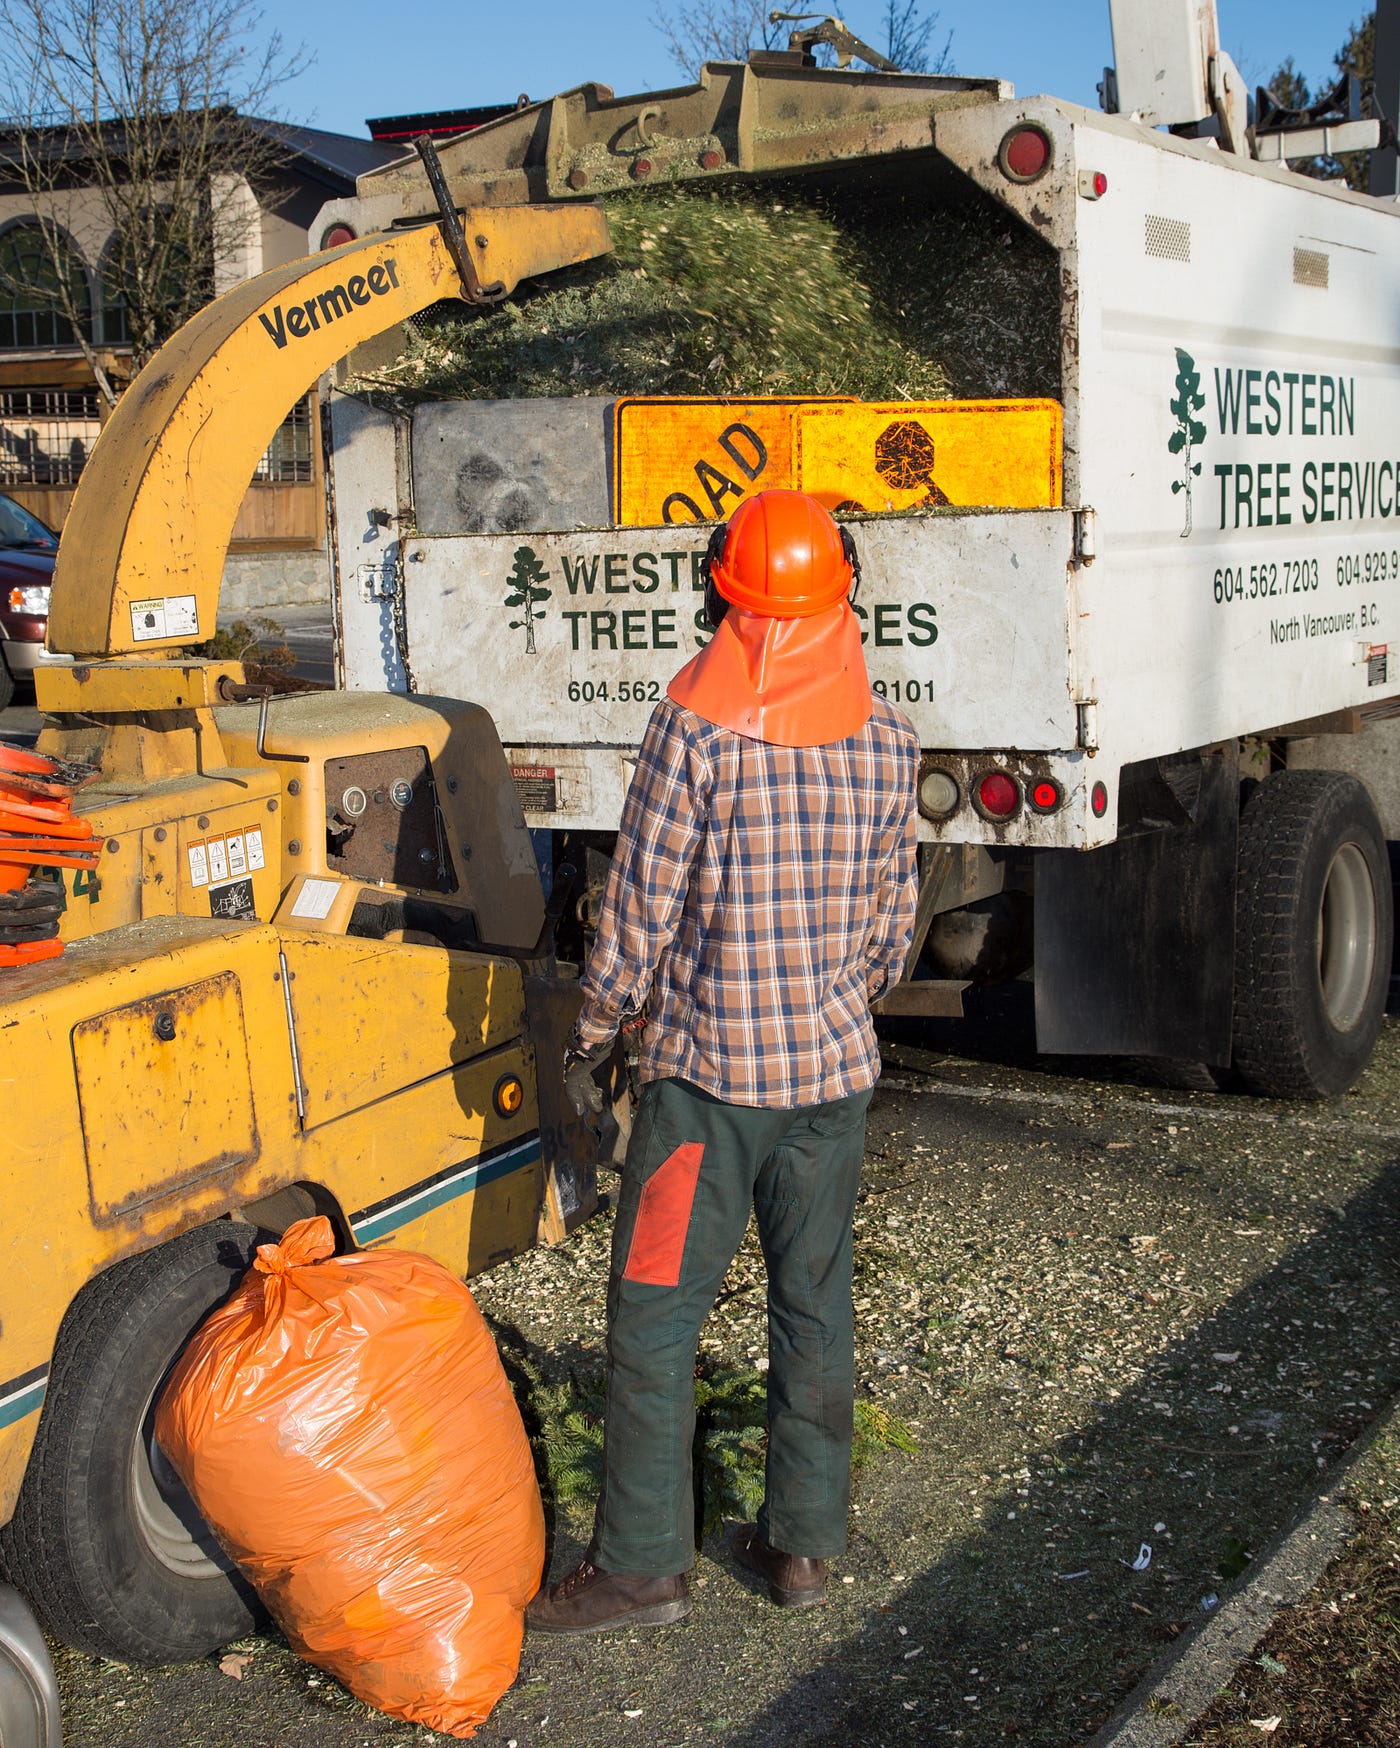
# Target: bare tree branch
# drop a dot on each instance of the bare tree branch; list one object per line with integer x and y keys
{"x": 725, "y": 30}
{"x": 139, "y": 119}
{"x": 908, "y": 34}
{"x": 718, "y": 30}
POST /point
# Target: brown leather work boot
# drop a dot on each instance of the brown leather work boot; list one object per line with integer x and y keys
{"x": 793, "y": 1580}
{"x": 590, "y": 1601}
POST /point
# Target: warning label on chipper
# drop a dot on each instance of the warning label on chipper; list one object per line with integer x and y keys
{"x": 164, "y": 616}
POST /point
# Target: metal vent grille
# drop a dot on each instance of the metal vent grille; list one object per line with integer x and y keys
{"x": 1170, "y": 239}
{"x": 1310, "y": 268}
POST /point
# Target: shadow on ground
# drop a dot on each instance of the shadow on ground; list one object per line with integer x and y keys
{"x": 1222, "y": 1464}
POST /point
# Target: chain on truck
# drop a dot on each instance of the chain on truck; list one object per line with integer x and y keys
{"x": 1142, "y": 690}
{"x": 313, "y": 970}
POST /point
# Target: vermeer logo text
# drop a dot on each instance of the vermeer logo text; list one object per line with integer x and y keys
{"x": 305, "y": 318}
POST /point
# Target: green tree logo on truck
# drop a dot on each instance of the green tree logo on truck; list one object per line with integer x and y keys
{"x": 1189, "y": 430}
{"x": 525, "y": 591}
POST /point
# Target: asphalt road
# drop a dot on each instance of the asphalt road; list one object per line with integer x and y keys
{"x": 308, "y": 634}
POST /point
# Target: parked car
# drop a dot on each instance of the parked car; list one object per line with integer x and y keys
{"x": 27, "y": 553}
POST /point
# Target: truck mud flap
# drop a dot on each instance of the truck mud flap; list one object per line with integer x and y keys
{"x": 1134, "y": 943}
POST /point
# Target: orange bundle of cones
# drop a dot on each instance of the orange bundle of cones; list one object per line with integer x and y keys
{"x": 37, "y": 830}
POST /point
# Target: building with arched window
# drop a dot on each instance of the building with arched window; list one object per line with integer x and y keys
{"x": 51, "y": 407}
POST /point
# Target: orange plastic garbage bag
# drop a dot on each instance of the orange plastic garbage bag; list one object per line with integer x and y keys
{"x": 346, "y": 1428}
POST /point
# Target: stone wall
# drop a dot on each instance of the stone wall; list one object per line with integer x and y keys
{"x": 256, "y": 582}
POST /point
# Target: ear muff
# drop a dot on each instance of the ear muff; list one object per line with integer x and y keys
{"x": 715, "y": 604}
{"x": 848, "y": 547}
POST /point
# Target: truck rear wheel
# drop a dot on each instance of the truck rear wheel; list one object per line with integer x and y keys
{"x": 1313, "y": 923}
{"x": 105, "y": 1540}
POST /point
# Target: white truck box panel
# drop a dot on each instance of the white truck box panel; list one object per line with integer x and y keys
{"x": 964, "y": 619}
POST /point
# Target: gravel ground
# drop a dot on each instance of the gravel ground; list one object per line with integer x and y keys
{"x": 1115, "y": 1317}
{"x": 1328, "y": 1670}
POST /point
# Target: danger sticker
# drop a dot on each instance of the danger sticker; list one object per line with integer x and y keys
{"x": 237, "y": 855}
{"x": 537, "y": 786}
{"x": 199, "y": 865}
{"x": 254, "y": 845}
{"x": 218, "y": 859}
{"x": 164, "y": 616}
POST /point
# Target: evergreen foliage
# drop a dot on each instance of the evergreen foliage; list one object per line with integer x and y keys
{"x": 729, "y": 292}
{"x": 731, "y": 1440}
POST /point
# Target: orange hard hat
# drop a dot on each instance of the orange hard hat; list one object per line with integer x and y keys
{"x": 782, "y": 555}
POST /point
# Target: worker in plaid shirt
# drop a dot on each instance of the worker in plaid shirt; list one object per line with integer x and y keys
{"x": 761, "y": 896}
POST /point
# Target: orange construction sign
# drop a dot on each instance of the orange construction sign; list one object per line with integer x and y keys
{"x": 696, "y": 459}
{"x": 902, "y": 455}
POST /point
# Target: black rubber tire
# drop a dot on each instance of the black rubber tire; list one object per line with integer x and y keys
{"x": 78, "y": 1544}
{"x": 7, "y": 683}
{"x": 1298, "y": 828}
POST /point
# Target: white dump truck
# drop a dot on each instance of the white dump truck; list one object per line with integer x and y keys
{"x": 1143, "y": 703}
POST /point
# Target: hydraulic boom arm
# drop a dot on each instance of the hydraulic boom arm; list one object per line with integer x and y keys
{"x": 143, "y": 547}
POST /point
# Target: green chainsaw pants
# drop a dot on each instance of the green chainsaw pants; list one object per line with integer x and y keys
{"x": 695, "y": 1167}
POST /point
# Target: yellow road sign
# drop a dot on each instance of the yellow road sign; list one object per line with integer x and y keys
{"x": 898, "y": 455}
{"x": 697, "y": 459}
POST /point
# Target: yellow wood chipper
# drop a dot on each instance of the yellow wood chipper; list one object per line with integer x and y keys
{"x": 311, "y": 971}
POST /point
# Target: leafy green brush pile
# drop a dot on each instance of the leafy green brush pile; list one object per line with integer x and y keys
{"x": 731, "y": 1436}
{"x": 703, "y": 294}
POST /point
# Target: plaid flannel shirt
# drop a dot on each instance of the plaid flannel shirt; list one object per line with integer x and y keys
{"x": 760, "y": 898}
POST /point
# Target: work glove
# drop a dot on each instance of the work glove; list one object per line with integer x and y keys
{"x": 585, "y": 1095}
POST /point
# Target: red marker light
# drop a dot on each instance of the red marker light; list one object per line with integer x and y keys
{"x": 1045, "y": 796}
{"x": 997, "y": 795}
{"x": 1024, "y": 155}
{"x": 1098, "y": 800}
{"x": 1100, "y": 184}
{"x": 337, "y": 235}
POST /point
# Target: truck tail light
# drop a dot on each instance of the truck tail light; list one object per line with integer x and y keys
{"x": 938, "y": 793}
{"x": 1045, "y": 795}
{"x": 998, "y": 796}
{"x": 337, "y": 235}
{"x": 1024, "y": 154}
{"x": 1098, "y": 800}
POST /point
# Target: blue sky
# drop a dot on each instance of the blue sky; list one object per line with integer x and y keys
{"x": 372, "y": 59}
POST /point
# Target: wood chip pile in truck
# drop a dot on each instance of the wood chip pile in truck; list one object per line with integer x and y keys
{"x": 1142, "y": 690}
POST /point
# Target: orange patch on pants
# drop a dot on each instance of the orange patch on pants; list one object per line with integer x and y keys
{"x": 663, "y": 1219}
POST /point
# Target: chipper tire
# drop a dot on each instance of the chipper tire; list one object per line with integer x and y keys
{"x": 1313, "y": 924}
{"x": 105, "y": 1540}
